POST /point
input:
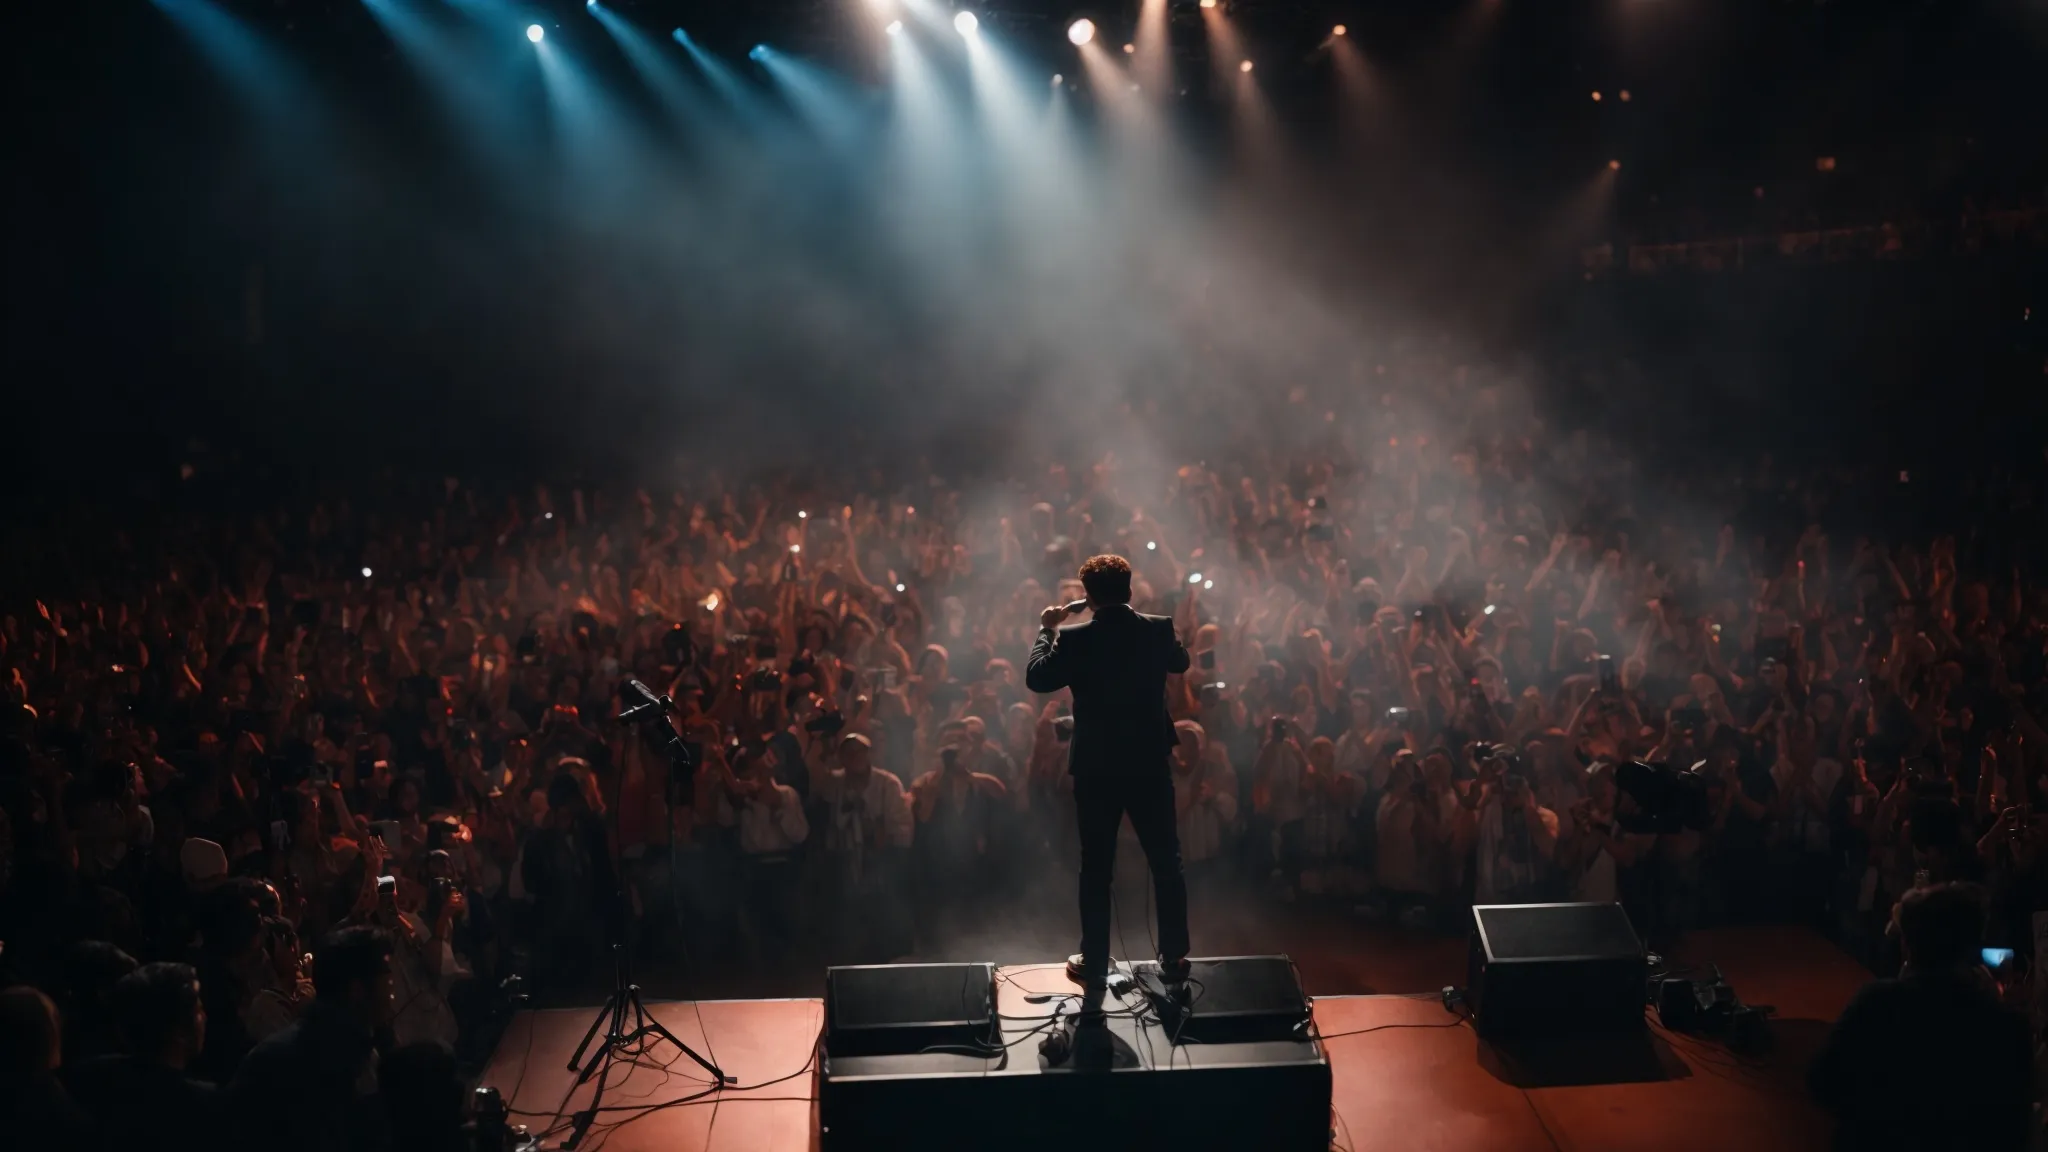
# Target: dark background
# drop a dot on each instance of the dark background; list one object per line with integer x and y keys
{"x": 149, "y": 215}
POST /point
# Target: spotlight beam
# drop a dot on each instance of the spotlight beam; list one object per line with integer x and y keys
{"x": 655, "y": 68}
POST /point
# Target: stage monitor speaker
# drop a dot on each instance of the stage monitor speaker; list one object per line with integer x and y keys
{"x": 1555, "y": 968}
{"x": 902, "y": 1009}
{"x": 1233, "y": 1000}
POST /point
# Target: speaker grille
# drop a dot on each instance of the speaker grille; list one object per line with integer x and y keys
{"x": 910, "y": 995}
{"x": 1544, "y": 931}
{"x": 1242, "y": 985}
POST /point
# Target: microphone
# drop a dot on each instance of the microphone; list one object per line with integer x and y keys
{"x": 1076, "y": 607}
{"x": 645, "y": 702}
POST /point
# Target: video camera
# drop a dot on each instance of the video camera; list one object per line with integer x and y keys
{"x": 1664, "y": 799}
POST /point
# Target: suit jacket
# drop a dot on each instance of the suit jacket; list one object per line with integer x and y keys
{"x": 1117, "y": 665}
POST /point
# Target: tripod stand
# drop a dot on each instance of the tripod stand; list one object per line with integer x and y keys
{"x": 624, "y": 1018}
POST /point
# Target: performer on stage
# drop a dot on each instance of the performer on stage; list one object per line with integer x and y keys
{"x": 1121, "y": 756}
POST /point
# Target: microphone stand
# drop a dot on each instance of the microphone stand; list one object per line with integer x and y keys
{"x": 624, "y": 1017}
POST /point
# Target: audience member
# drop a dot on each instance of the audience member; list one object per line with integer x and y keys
{"x": 1931, "y": 1060}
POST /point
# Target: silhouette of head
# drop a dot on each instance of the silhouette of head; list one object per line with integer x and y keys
{"x": 1107, "y": 580}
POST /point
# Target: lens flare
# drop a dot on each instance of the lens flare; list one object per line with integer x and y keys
{"x": 535, "y": 33}
{"x": 1081, "y": 31}
{"x": 965, "y": 23}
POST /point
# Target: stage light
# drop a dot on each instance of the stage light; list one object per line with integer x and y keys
{"x": 366, "y": 573}
{"x": 1624, "y": 95}
{"x": 1244, "y": 66}
{"x": 803, "y": 515}
{"x": 895, "y": 27}
{"x": 535, "y": 32}
{"x": 1208, "y": 3}
{"x": 758, "y": 53}
{"x": 1196, "y": 578}
{"x": 1081, "y": 31}
{"x": 1596, "y": 96}
{"x": 1151, "y": 545}
{"x": 1057, "y": 79}
{"x": 1614, "y": 165}
{"x": 965, "y": 23}
{"x": 1130, "y": 49}
{"x": 1208, "y": 584}
{"x": 590, "y": 4}
{"x": 899, "y": 587}
{"x": 1339, "y": 30}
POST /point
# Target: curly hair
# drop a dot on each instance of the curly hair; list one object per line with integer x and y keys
{"x": 1107, "y": 579}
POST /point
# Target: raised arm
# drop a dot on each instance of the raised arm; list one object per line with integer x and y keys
{"x": 1176, "y": 653}
{"x": 1048, "y": 669}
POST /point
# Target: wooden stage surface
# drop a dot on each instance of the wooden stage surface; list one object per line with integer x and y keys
{"x": 1407, "y": 1076}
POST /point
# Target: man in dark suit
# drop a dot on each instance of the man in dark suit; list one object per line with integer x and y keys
{"x": 1121, "y": 757}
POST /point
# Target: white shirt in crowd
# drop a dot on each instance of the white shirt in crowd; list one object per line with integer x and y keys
{"x": 1358, "y": 756}
{"x": 767, "y": 830}
{"x": 876, "y": 815}
{"x": 1325, "y": 820}
{"x": 1205, "y": 824}
{"x": 1805, "y": 828}
{"x": 1284, "y": 801}
{"x": 1599, "y": 879}
{"x": 1511, "y": 860}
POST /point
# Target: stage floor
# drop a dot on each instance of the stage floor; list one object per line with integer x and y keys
{"x": 1407, "y": 1076}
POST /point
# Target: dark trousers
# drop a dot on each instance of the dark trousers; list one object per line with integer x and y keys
{"x": 1100, "y": 805}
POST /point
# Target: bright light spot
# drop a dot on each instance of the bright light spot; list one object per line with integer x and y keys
{"x": 895, "y": 26}
{"x": 590, "y": 4}
{"x": 1081, "y": 31}
{"x": 1489, "y": 609}
{"x": 758, "y": 53}
{"x": 1614, "y": 165}
{"x": 803, "y": 515}
{"x": 1624, "y": 95}
{"x": 899, "y": 587}
{"x": 1195, "y": 579}
{"x": 1208, "y": 3}
{"x": 366, "y": 573}
{"x": 909, "y": 511}
{"x": 534, "y": 32}
{"x": 1057, "y": 79}
{"x": 1244, "y": 66}
{"x": 1208, "y": 584}
{"x": 1339, "y": 30}
{"x": 1129, "y": 49}
{"x": 547, "y": 516}
{"x": 1151, "y": 545}
{"x": 711, "y": 602}
{"x": 965, "y": 23}
{"x": 796, "y": 548}
{"x": 1596, "y": 96}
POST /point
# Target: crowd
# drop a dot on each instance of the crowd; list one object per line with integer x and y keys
{"x": 282, "y": 788}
